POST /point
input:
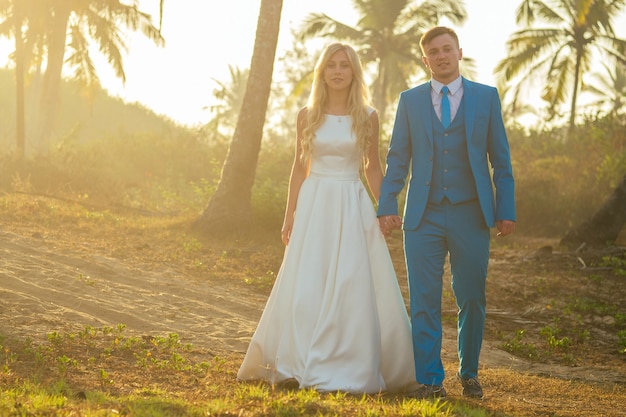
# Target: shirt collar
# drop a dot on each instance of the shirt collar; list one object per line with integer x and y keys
{"x": 453, "y": 86}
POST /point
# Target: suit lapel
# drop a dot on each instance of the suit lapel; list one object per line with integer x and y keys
{"x": 424, "y": 107}
{"x": 469, "y": 107}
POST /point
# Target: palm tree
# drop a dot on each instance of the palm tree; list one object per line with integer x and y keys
{"x": 12, "y": 26}
{"x": 19, "y": 81}
{"x": 515, "y": 108}
{"x": 101, "y": 21}
{"x": 229, "y": 98}
{"x": 387, "y": 36}
{"x": 561, "y": 52}
{"x": 18, "y": 17}
{"x": 609, "y": 87}
{"x": 40, "y": 29}
{"x": 230, "y": 208}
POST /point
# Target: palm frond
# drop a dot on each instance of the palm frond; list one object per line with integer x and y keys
{"x": 84, "y": 69}
{"x": 319, "y": 24}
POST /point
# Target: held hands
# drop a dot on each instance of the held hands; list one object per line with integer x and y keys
{"x": 389, "y": 223}
{"x": 505, "y": 227}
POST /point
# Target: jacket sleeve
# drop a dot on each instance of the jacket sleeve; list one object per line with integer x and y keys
{"x": 500, "y": 160}
{"x": 397, "y": 162}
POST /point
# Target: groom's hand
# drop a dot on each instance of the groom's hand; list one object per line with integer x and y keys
{"x": 505, "y": 227}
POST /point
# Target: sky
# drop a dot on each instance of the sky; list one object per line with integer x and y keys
{"x": 204, "y": 37}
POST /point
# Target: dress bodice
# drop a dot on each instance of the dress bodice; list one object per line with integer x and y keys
{"x": 335, "y": 153}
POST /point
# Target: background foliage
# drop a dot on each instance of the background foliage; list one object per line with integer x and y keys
{"x": 145, "y": 162}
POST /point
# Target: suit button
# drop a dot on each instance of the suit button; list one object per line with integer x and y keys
{"x": 427, "y": 183}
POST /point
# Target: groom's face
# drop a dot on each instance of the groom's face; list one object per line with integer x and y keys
{"x": 442, "y": 56}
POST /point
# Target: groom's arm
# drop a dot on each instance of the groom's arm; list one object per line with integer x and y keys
{"x": 397, "y": 163}
{"x": 500, "y": 159}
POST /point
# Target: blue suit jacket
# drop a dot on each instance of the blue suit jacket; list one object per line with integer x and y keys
{"x": 411, "y": 147}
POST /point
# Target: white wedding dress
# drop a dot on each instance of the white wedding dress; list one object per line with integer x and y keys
{"x": 335, "y": 319}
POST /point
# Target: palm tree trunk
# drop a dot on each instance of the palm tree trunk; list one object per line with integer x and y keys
{"x": 19, "y": 86}
{"x": 604, "y": 226}
{"x": 572, "y": 111}
{"x": 48, "y": 110}
{"x": 230, "y": 209}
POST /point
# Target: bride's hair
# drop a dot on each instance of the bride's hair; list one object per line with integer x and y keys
{"x": 359, "y": 103}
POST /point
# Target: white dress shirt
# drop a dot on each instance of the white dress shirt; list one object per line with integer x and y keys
{"x": 455, "y": 96}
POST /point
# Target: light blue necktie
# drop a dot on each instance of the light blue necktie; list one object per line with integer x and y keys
{"x": 445, "y": 107}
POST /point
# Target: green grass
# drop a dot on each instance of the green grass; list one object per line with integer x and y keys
{"x": 105, "y": 372}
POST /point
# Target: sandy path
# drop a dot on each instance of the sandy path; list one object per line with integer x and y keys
{"x": 43, "y": 289}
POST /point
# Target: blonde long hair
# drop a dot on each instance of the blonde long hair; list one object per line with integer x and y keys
{"x": 359, "y": 102}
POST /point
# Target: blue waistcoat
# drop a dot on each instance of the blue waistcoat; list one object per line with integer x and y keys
{"x": 452, "y": 175}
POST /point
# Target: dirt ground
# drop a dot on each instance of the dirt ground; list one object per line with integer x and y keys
{"x": 50, "y": 281}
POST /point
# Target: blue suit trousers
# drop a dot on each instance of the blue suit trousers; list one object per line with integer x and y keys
{"x": 458, "y": 230}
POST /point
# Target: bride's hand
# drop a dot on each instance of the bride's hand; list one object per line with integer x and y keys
{"x": 386, "y": 224}
{"x": 285, "y": 233}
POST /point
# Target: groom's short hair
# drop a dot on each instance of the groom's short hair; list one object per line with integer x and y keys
{"x": 431, "y": 34}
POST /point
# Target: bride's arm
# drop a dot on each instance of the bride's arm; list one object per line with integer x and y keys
{"x": 373, "y": 169}
{"x": 299, "y": 171}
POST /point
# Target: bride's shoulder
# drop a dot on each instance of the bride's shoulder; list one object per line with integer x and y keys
{"x": 302, "y": 114}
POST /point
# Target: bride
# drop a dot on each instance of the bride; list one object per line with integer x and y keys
{"x": 335, "y": 319}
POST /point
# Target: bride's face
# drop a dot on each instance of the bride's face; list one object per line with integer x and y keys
{"x": 338, "y": 71}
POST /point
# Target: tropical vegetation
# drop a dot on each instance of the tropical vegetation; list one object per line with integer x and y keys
{"x": 557, "y": 45}
{"x": 230, "y": 207}
{"x": 59, "y": 34}
{"x": 387, "y": 37}
{"x": 135, "y": 193}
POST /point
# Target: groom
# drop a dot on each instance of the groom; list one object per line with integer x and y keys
{"x": 450, "y": 205}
